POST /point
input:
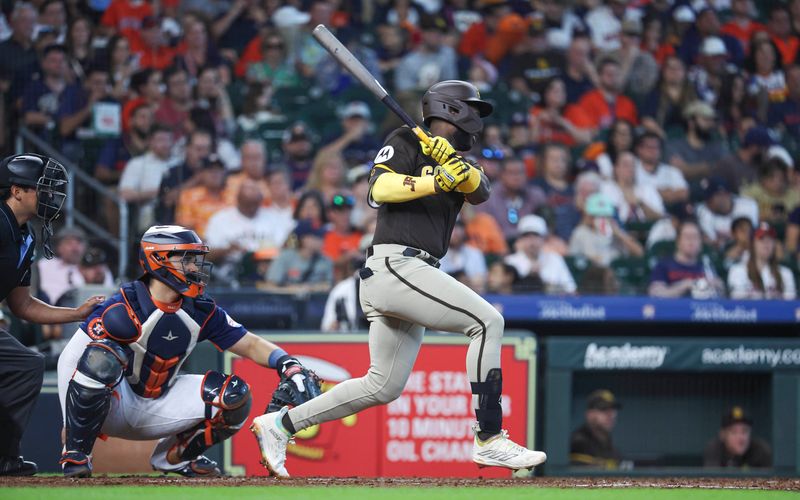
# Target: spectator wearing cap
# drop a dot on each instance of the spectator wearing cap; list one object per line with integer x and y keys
{"x": 197, "y": 204}
{"x": 638, "y": 67}
{"x": 719, "y": 209}
{"x": 539, "y": 268}
{"x": 253, "y": 171}
{"x": 734, "y": 446}
{"x": 462, "y": 256}
{"x": 183, "y": 175}
{"x": 780, "y": 29}
{"x": 599, "y": 237}
{"x": 695, "y": 153}
{"x": 554, "y": 181}
{"x": 512, "y": 198}
{"x": 606, "y": 103}
{"x": 173, "y": 110}
{"x": 707, "y": 25}
{"x": 357, "y": 142}
{"x": 662, "y": 109}
{"x": 634, "y": 202}
{"x": 42, "y": 97}
{"x": 274, "y": 67}
{"x": 785, "y": 116}
{"x": 343, "y": 311}
{"x": 738, "y": 251}
{"x": 579, "y": 72}
{"x": 244, "y": 227}
{"x": 740, "y": 167}
{"x": 297, "y": 154}
{"x": 685, "y": 273}
{"x": 302, "y": 268}
{"x": 605, "y": 23}
{"x": 651, "y": 171}
{"x": 761, "y": 277}
{"x": 341, "y": 239}
{"x": 533, "y": 63}
{"x": 140, "y": 180}
{"x": 774, "y": 195}
{"x": 94, "y": 268}
{"x": 742, "y": 24}
{"x": 551, "y": 123}
{"x": 709, "y": 73}
{"x": 430, "y": 62}
{"x": 496, "y": 34}
{"x": 591, "y": 444}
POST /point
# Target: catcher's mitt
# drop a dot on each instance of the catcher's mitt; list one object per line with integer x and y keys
{"x": 297, "y": 385}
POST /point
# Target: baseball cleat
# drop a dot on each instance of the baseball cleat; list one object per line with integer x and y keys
{"x": 201, "y": 466}
{"x": 17, "y": 466}
{"x": 500, "y": 451}
{"x": 76, "y": 464}
{"x": 272, "y": 440}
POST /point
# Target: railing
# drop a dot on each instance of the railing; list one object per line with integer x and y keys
{"x": 26, "y": 138}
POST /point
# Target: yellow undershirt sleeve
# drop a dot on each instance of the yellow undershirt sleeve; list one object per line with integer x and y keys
{"x": 391, "y": 187}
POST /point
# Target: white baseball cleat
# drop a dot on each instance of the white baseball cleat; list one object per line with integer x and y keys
{"x": 272, "y": 439}
{"x": 500, "y": 451}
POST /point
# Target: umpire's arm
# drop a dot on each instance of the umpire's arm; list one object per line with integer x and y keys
{"x": 31, "y": 309}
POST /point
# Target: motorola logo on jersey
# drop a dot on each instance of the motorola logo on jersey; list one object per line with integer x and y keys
{"x": 384, "y": 154}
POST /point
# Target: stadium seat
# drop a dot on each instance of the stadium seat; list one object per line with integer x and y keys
{"x": 632, "y": 273}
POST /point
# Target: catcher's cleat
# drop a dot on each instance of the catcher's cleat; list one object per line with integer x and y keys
{"x": 76, "y": 464}
{"x": 272, "y": 441}
{"x": 17, "y": 466}
{"x": 500, "y": 451}
{"x": 199, "y": 467}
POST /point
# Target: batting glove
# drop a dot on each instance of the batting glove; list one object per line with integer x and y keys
{"x": 439, "y": 149}
{"x": 450, "y": 175}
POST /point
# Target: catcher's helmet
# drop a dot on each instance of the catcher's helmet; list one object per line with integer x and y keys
{"x": 159, "y": 243}
{"x": 453, "y": 101}
{"x": 48, "y": 177}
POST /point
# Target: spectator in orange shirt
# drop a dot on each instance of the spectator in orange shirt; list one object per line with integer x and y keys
{"x": 125, "y": 17}
{"x": 780, "y": 27}
{"x": 606, "y": 103}
{"x": 493, "y": 37}
{"x": 341, "y": 241}
{"x": 197, "y": 204}
{"x": 254, "y": 171}
{"x": 151, "y": 45}
{"x": 550, "y": 124}
{"x": 742, "y": 26}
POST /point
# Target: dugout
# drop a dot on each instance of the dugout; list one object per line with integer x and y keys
{"x": 673, "y": 393}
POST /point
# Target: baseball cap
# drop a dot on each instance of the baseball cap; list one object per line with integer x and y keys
{"x": 698, "y": 108}
{"x": 758, "y": 136}
{"x": 735, "y": 415}
{"x": 70, "y": 232}
{"x": 213, "y": 160}
{"x": 780, "y": 152}
{"x": 714, "y": 186}
{"x": 684, "y": 14}
{"x": 532, "y": 224}
{"x": 763, "y": 230}
{"x": 358, "y": 173}
{"x": 306, "y": 228}
{"x": 341, "y": 201}
{"x": 297, "y": 132}
{"x": 94, "y": 257}
{"x": 599, "y": 205}
{"x": 602, "y": 399}
{"x": 288, "y": 16}
{"x": 356, "y": 108}
{"x": 713, "y": 46}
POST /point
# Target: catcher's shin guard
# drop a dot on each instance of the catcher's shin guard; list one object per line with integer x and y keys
{"x": 231, "y": 395}
{"x": 89, "y": 393}
{"x": 489, "y": 412}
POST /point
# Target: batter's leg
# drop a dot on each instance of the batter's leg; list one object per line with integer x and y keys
{"x": 393, "y": 348}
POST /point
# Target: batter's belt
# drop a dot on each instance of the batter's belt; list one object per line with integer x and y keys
{"x": 392, "y": 250}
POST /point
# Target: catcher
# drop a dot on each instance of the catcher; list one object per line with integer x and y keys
{"x": 119, "y": 374}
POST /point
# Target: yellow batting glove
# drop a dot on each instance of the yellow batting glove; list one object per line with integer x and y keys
{"x": 450, "y": 175}
{"x": 439, "y": 149}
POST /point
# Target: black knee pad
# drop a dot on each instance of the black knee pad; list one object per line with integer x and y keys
{"x": 103, "y": 361}
{"x": 489, "y": 412}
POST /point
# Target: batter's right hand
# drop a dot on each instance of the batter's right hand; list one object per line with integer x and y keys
{"x": 439, "y": 149}
{"x": 450, "y": 175}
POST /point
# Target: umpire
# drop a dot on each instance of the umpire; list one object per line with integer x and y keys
{"x": 30, "y": 186}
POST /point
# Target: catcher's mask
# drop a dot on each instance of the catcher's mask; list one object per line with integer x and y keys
{"x": 49, "y": 177}
{"x": 160, "y": 244}
{"x": 460, "y": 104}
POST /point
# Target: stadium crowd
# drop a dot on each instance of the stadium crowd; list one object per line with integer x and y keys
{"x": 637, "y": 146}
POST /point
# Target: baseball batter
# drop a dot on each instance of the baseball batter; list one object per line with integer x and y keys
{"x": 419, "y": 190}
{"x": 119, "y": 373}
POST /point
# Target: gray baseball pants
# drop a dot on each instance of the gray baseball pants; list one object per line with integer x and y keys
{"x": 404, "y": 296}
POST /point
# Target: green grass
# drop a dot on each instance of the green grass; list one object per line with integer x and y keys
{"x": 394, "y": 493}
